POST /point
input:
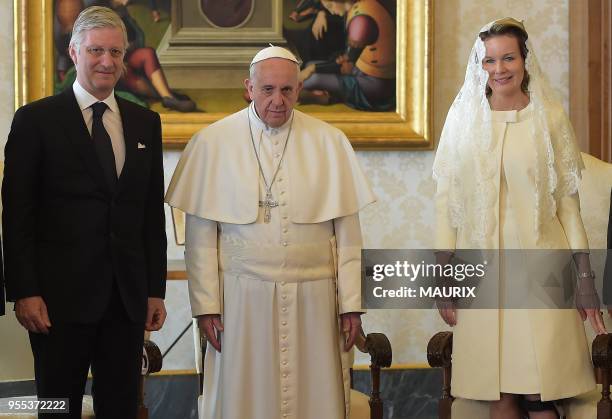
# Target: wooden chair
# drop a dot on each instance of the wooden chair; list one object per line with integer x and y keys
{"x": 375, "y": 344}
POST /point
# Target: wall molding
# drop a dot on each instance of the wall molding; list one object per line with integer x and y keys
{"x": 590, "y": 28}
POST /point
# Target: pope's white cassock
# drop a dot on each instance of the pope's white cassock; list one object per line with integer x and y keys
{"x": 280, "y": 286}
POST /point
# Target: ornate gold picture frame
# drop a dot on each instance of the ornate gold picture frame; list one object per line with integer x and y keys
{"x": 408, "y": 127}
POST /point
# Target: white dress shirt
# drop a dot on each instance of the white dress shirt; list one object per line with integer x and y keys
{"x": 111, "y": 120}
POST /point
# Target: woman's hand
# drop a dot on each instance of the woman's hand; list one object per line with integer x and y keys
{"x": 448, "y": 311}
{"x": 587, "y": 300}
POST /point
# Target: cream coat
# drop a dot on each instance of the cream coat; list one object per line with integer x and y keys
{"x": 554, "y": 338}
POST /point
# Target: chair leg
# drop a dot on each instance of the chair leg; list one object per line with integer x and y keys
{"x": 604, "y": 406}
{"x": 143, "y": 412}
{"x": 446, "y": 401}
{"x": 376, "y": 405}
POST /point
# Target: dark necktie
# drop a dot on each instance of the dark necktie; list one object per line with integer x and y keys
{"x": 103, "y": 145}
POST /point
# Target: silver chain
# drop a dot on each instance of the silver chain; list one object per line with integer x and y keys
{"x": 269, "y": 187}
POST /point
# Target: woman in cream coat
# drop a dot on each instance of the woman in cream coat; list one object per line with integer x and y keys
{"x": 507, "y": 169}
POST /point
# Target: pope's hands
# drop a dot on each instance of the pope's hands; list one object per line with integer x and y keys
{"x": 210, "y": 325}
{"x": 351, "y": 326}
{"x": 31, "y": 312}
{"x": 156, "y": 314}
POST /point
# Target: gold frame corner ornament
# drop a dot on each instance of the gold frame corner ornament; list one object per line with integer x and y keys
{"x": 410, "y": 126}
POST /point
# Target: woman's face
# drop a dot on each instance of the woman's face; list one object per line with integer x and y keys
{"x": 505, "y": 65}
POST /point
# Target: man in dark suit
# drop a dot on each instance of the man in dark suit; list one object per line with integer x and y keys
{"x": 84, "y": 229}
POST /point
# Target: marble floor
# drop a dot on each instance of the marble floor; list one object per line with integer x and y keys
{"x": 407, "y": 394}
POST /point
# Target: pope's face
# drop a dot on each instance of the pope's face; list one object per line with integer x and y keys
{"x": 505, "y": 65}
{"x": 97, "y": 62}
{"x": 274, "y": 88}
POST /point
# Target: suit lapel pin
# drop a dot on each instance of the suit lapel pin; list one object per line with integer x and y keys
{"x": 141, "y": 146}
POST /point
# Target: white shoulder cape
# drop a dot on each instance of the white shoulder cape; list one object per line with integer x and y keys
{"x": 217, "y": 177}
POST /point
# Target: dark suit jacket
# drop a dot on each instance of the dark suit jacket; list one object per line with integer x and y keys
{"x": 67, "y": 235}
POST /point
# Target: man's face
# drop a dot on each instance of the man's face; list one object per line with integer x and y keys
{"x": 98, "y": 69}
{"x": 274, "y": 89}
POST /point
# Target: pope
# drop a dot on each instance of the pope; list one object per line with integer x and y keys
{"x": 273, "y": 252}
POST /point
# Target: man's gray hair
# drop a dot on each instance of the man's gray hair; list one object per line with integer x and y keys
{"x": 96, "y": 17}
{"x": 253, "y": 71}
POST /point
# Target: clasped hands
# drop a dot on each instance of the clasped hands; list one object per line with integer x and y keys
{"x": 210, "y": 326}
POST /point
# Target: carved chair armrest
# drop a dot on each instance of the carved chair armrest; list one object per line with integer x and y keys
{"x": 378, "y": 346}
{"x": 440, "y": 350}
{"x": 151, "y": 358}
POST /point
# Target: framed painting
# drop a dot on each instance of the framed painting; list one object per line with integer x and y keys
{"x": 187, "y": 60}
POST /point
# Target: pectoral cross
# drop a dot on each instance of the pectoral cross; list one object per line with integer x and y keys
{"x": 268, "y": 204}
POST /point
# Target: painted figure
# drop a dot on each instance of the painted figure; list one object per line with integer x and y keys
{"x": 363, "y": 76}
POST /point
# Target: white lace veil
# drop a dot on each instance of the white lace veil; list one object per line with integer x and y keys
{"x": 467, "y": 140}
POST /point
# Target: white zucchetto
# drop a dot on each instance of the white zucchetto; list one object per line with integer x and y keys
{"x": 274, "y": 52}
